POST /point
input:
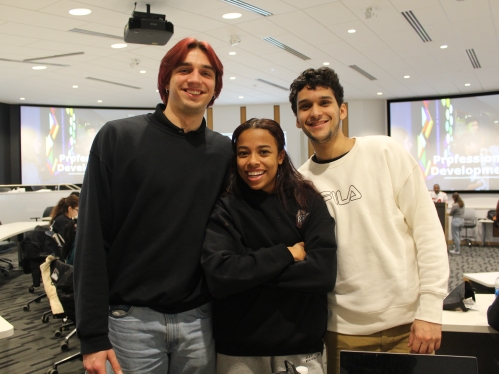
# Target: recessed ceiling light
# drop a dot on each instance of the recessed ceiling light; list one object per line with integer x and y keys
{"x": 443, "y": 46}
{"x": 157, "y": 90}
{"x": 39, "y": 67}
{"x": 407, "y": 76}
{"x": 232, "y": 53}
{"x": 99, "y": 101}
{"x": 467, "y": 84}
{"x": 80, "y": 12}
{"x": 494, "y": 121}
{"x": 352, "y": 31}
{"x": 325, "y": 63}
{"x": 232, "y": 78}
{"x": 75, "y": 86}
{"x": 379, "y": 93}
{"x": 241, "y": 97}
{"x": 23, "y": 98}
{"x": 231, "y": 15}
{"x": 119, "y": 45}
{"x": 142, "y": 72}
{"x": 272, "y": 69}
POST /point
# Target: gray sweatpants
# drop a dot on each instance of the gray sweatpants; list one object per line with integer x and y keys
{"x": 267, "y": 365}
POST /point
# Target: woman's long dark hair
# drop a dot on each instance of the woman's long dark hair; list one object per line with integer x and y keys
{"x": 289, "y": 181}
{"x": 457, "y": 199}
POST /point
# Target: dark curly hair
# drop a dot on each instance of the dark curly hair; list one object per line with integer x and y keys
{"x": 289, "y": 183}
{"x": 313, "y": 78}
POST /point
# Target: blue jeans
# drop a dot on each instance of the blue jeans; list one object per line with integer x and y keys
{"x": 457, "y": 224}
{"x": 146, "y": 341}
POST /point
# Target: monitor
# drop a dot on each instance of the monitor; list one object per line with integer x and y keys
{"x": 360, "y": 362}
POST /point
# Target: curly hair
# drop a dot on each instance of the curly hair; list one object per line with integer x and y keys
{"x": 313, "y": 78}
{"x": 289, "y": 178}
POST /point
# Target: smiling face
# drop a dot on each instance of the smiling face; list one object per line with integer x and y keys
{"x": 318, "y": 114}
{"x": 192, "y": 85}
{"x": 258, "y": 159}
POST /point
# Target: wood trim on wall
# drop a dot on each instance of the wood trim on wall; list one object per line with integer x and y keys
{"x": 277, "y": 114}
{"x": 243, "y": 114}
{"x": 209, "y": 118}
{"x": 344, "y": 128}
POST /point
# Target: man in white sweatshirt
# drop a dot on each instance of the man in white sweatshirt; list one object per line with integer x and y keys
{"x": 392, "y": 258}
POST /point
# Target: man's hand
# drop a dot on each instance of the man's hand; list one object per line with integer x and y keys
{"x": 425, "y": 337}
{"x": 95, "y": 363}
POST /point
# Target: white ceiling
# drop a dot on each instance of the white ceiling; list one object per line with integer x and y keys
{"x": 385, "y": 46}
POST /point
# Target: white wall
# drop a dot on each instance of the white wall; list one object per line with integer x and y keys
{"x": 367, "y": 117}
{"x": 22, "y": 206}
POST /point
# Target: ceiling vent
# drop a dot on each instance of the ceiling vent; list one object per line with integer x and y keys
{"x": 249, "y": 7}
{"x": 277, "y": 43}
{"x": 363, "y": 72}
{"x": 474, "y": 60}
{"x": 88, "y": 32}
{"x": 36, "y": 59}
{"x": 110, "y": 82}
{"x": 414, "y": 22}
{"x": 272, "y": 84}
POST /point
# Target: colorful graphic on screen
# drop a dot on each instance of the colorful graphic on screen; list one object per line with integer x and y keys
{"x": 454, "y": 140}
{"x": 55, "y": 141}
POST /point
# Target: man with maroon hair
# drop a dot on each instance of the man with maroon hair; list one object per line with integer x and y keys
{"x": 142, "y": 302}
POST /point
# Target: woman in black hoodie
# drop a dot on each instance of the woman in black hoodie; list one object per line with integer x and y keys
{"x": 270, "y": 259}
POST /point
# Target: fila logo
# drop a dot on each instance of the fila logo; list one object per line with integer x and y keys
{"x": 336, "y": 196}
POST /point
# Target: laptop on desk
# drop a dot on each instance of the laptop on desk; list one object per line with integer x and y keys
{"x": 359, "y": 362}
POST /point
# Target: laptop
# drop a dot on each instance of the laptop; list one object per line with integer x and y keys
{"x": 359, "y": 362}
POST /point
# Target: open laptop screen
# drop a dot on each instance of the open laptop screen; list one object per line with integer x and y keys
{"x": 358, "y": 362}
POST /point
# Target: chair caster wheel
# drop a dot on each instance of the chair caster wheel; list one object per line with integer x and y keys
{"x": 11, "y": 266}
{"x": 58, "y": 334}
{"x": 31, "y": 289}
{"x": 26, "y": 308}
{"x": 52, "y": 371}
{"x": 45, "y": 319}
{"x": 64, "y": 347}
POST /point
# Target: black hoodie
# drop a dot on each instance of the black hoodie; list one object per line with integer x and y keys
{"x": 266, "y": 304}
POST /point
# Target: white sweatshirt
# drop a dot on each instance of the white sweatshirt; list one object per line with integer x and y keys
{"x": 392, "y": 256}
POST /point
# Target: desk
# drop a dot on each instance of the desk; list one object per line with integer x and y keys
{"x": 484, "y": 223}
{"x": 6, "y": 329}
{"x": 10, "y": 230}
{"x": 485, "y": 279}
{"x": 472, "y": 320}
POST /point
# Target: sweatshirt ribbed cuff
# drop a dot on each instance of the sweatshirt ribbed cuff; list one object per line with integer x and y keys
{"x": 430, "y": 308}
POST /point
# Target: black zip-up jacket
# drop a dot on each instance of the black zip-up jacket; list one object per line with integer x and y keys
{"x": 147, "y": 195}
{"x": 266, "y": 304}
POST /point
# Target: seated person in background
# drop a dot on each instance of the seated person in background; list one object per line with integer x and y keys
{"x": 457, "y": 214}
{"x": 438, "y": 196}
{"x": 493, "y": 314}
{"x": 269, "y": 257}
{"x": 62, "y": 214}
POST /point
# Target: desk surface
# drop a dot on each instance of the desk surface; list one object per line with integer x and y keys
{"x": 6, "y": 329}
{"x": 10, "y": 230}
{"x": 485, "y": 279}
{"x": 472, "y": 320}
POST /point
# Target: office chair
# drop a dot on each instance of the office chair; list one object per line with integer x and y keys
{"x": 4, "y": 248}
{"x": 46, "y": 213}
{"x": 470, "y": 222}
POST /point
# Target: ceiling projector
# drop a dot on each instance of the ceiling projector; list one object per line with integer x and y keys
{"x": 148, "y": 28}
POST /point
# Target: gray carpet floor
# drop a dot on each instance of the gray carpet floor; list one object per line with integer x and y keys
{"x": 33, "y": 348}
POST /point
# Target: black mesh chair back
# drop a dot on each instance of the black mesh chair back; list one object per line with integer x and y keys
{"x": 470, "y": 222}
